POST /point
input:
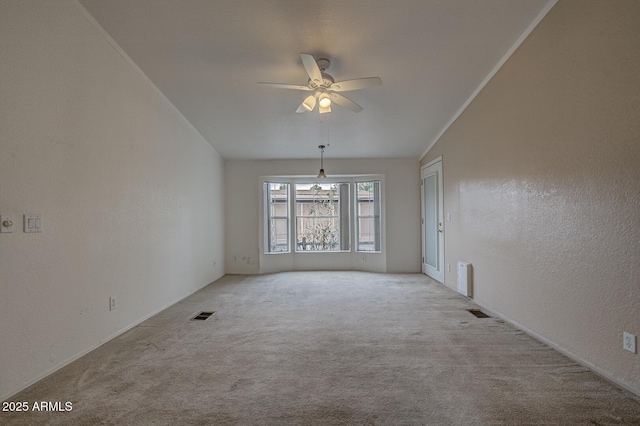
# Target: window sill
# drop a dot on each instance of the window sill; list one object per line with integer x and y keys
{"x": 322, "y": 251}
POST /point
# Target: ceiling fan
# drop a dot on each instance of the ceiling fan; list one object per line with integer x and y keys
{"x": 325, "y": 88}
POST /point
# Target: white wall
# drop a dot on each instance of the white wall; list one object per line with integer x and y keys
{"x": 542, "y": 179}
{"x": 130, "y": 193}
{"x": 401, "y": 218}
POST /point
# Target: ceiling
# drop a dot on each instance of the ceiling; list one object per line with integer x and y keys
{"x": 207, "y": 57}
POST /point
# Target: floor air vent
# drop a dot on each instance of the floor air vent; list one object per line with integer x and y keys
{"x": 478, "y": 313}
{"x": 203, "y": 316}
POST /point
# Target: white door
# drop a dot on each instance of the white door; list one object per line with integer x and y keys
{"x": 432, "y": 226}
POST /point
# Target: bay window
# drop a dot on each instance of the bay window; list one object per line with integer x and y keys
{"x": 328, "y": 215}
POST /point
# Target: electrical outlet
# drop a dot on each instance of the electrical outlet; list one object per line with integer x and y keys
{"x": 629, "y": 342}
{"x": 363, "y": 258}
{"x": 112, "y": 303}
{"x": 448, "y": 267}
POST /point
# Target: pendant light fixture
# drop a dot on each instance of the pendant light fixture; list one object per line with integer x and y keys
{"x": 321, "y": 175}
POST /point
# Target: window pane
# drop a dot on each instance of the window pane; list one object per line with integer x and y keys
{"x": 277, "y": 220}
{"x": 366, "y": 236}
{"x": 320, "y": 234}
{"x": 368, "y": 216}
{"x": 318, "y": 217}
{"x": 279, "y": 235}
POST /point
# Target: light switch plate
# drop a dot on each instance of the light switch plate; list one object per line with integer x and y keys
{"x": 9, "y": 221}
{"x": 32, "y": 223}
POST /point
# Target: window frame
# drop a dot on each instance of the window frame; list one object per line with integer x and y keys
{"x": 377, "y": 219}
{"x": 267, "y": 216}
{"x": 341, "y": 221}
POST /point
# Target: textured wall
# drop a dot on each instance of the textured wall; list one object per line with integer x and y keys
{"x": 402, "y": 218}
{"x": 542, "y": 180}
{"x": 131, "y": 195}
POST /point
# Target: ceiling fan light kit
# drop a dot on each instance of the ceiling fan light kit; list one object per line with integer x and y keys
{"x": 325, "y": 100}
{"x": 309, "y": 102}
{"x": 325, "y": 88}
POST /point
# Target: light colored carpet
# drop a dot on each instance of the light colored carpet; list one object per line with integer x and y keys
{"x": 326, "y": 348}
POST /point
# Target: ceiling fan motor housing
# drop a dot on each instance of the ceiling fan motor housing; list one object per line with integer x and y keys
{"x": 323, "y": 64}
{"x": 327, "y": 80}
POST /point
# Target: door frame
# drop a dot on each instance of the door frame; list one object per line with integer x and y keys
{"x": 434, "y": 166}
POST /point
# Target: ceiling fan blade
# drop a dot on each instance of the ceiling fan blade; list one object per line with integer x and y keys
{"x": 286, "y": 86}
{"x": 345, "y": 102}
{"x": 358, "y": 83}
{"x": 312, "y": 68}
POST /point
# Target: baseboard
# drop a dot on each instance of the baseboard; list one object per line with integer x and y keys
{"x": 100, "y": 343}
{"x": 605, "y": 375}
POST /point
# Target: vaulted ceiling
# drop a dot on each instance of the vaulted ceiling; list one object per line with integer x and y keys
{"x": 207, "y": 56}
